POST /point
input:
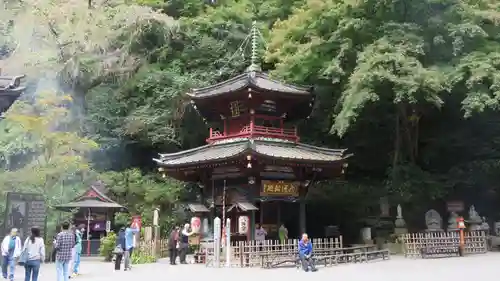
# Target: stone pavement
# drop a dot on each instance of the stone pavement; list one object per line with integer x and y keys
{"x": 397, "y": 269}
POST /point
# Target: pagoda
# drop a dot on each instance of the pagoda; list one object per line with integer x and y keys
{"x": 253, "y": 163}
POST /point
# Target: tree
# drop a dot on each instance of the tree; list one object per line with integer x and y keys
{"x": 40, "y": 153}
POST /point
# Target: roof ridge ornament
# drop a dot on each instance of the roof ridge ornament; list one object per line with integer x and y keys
{"x": 254, "y": 60}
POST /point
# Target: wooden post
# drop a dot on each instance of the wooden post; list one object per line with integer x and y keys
{"x": 261, "y": 212}
{"x": 252, "y": 225}
{"x": 302, "y": 210}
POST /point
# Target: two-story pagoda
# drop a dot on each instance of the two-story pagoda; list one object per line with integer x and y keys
{"x": 254, "y": 163}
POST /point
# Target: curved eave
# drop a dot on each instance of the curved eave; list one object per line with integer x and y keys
{"x": 212, "y": 153}
{"x": 256, "y": 80}
{"x": 301, "y": 153}
{"x": 220, "y": 152}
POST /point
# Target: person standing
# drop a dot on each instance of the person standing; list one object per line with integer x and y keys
{"x": 72, "y": 261}
{"x": 11, "y": 249}
{"x": 35, "y": 249}
{"x": 260, "y": 235}
{"x": 184, "y": 243}
{"x": 119, "y": 248}
{"x": 65, "y": 242}
{"x": 173, "y": 243}
{"x": 283, "y": 233}
{"x": 77, "y": 250}
{"x": 129, "y": 238}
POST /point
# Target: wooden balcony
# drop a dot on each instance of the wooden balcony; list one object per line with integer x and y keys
{"x": 256, "y": 131}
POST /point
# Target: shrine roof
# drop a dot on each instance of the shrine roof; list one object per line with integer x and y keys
{"x": 94, "y": 197}
{"x": 10, "y": 90}
{"x": 276, "y": 149}
{"x": 258, "y": 80}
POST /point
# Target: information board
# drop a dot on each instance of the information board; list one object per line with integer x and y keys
{"x": 23, "y": 211}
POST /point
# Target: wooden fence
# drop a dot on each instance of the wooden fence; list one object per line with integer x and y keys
{"x": 476, "y": 242}
{"x": 158, "y": 249}
{"x": 249, "y": 253}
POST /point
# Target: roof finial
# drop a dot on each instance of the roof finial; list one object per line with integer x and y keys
{"x": 254, "y": 63}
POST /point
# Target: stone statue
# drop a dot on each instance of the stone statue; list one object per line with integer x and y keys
{"x": 474, "y": 219}
{"x": 485, "y": 226}
{"x": 452, "y": 222}
{"x": 433, "y": 221}
{"x": 400, "y": 222}
{"x": 473, "y": 214}
{"x": 384, "y": 207}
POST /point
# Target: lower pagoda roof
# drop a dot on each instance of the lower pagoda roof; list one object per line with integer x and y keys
{"x": 262, "y": 148}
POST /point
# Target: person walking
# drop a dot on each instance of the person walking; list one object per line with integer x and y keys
{"x": 129, "y": 240}
{"x": 120, "y": 248}
{"x": 11, "y": 249}
{"x": 173, "y": 244}
{"x": 35, "y": 251}
{"x": 64, "y": 244}
{"x": 77, "y": 251}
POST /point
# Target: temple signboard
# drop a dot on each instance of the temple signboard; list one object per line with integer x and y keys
{"x": 24, "y": 211}
{"x": 279, "y": 188}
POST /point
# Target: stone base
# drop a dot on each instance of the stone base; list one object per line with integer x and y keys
{"x": 474, "y": 227}
{"x": 399, "y": 230}
{"x": 452, "y": 229}
{"x": 434, "y": 230}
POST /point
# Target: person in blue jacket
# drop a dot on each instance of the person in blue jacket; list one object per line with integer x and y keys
{"x": 305, "y": 253}
{"x": 129, "y": 245}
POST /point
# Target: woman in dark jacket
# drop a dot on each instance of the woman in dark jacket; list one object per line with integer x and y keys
{"x": 120, "y": 241}
{"x": 173, "y": 244}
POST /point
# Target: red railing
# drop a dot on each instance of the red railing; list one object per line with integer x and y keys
{"x": 256, "y": 131}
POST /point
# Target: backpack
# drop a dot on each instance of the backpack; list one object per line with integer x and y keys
{"x": 12, "y": 244}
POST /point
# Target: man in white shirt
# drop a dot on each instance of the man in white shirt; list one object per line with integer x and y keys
{"x": 11, "y": 249}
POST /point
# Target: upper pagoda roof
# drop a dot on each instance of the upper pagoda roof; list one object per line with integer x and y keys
{"x": 230, "y": 149}
{"x": 10, "y": 90}
{"x": 252, "y": 79}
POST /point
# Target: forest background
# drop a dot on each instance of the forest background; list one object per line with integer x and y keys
{"x": 411, "y": 88}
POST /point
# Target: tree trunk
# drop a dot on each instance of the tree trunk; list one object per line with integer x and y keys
{"x": 397, "y": 146}
{"x": 408, "y": 134}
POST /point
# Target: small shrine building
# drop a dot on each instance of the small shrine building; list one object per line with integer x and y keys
{"x": 96, "y": 212}
{"x": 254, "y": 165}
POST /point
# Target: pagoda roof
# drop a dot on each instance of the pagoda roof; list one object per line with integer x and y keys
{"x": 230, "y": 149}
{"x": 10, "y": 90}
{"x": 252, "y": 79}
{"x": 93, "y": 198}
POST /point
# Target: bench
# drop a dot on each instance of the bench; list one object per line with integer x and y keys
{"x": 439, "y": 251}
{"x": 273, "y": 260}
{"x": 325, "y": 257}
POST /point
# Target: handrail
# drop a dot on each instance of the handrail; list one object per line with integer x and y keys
{"x": 258, "y": 131}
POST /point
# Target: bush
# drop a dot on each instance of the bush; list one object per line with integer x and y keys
{"x": 107, "y": 246}
{"x": 141, "y": 258}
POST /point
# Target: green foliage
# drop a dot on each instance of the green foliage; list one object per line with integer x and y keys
{"x": 108, "y": 244}
{"x": 138, "y": 257}
{"x": 410, "y": 87}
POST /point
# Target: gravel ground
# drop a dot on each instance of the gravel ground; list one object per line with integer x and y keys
{"x": 397, "y": 269}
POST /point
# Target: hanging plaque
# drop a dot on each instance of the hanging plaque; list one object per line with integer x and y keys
{"x": 279, "y": 188}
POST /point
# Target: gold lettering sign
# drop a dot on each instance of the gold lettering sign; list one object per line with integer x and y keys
{"x": 279, "y": 188}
